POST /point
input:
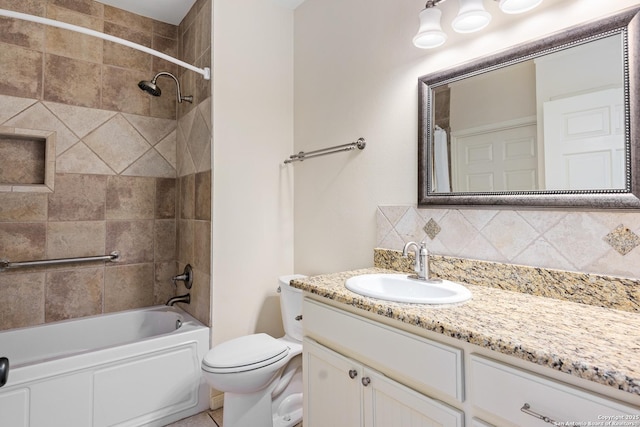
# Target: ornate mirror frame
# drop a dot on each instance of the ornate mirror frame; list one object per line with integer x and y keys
{"x": 626, "y": 23}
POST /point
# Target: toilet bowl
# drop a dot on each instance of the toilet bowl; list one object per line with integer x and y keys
{"x": 261, "y": 376}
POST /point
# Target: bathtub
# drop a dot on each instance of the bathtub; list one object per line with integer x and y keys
{"x": 132, "y": 368}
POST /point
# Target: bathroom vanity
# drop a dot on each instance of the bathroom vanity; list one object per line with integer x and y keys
{"x": 500, "y": 359}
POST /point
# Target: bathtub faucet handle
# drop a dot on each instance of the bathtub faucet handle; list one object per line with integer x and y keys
{"x": 186, "y": 277}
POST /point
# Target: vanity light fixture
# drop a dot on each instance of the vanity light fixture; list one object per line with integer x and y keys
{"x": 518, "y": 6}
{"x": 430, "y": 34}
{"x": 471, "y": 17}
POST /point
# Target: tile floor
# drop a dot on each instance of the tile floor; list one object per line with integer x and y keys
{"x": 205, "y": 419}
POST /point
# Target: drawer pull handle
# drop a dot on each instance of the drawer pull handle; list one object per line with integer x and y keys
{"x": 526, "y": 408}
{"x": 353, "y": 373}
{"x": 366, "y": 381}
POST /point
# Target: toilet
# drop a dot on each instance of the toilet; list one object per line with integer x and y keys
{"x": 261, "y": 376}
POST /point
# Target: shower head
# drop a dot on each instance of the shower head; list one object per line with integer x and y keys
{"x": 152, "y": 88}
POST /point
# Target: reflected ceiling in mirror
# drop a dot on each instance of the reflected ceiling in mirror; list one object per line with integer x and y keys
{"x": 551, "y": 123}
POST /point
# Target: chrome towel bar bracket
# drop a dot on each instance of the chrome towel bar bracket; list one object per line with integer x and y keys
{"x": 5, "y": 264}
{"x": 359, "y": 144}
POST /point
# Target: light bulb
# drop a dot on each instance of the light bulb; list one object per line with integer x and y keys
{"x": 518, "y": 6}
{"x": 471, "y": 17}
{"x": 430, "y": 33}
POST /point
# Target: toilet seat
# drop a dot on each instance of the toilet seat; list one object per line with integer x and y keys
{"x": 245, "y": 354}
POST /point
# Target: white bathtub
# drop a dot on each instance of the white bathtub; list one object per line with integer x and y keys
{"x": 132, "y": 368}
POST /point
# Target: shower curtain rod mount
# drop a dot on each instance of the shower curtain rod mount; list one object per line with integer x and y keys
{"x": 206, "y": 72}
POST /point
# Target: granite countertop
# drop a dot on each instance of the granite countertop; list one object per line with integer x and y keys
{"x": 595, "y": 343}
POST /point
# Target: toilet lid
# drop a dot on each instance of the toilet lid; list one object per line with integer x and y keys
{"x": 245, "y": 354}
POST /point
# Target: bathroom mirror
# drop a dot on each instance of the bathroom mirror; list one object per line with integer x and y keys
{"x": 553, "y": 123}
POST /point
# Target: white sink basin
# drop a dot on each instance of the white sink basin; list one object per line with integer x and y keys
{"x": 400, "y": 288}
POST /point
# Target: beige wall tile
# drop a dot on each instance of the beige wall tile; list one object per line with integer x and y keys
{"x": 80, "y": 159}
{"x": 128, "y": 286}
{"x": 21, "y": 299}
{"x": 78, "y": 198}
{"x": 133, "y": 239}
{"x": 187, "y": 196}
{"x": 165, "y": 106}
{"x": 168, "y": 46}
{"x": 21, "y": 72}
{"x": 88, "y": 7}
{"x": 130, "y": 198}
{"x": 71, "y": 44}
{"x": 22, "y": 241}
{"x": 73, "y": 293}
{"x": 150, "y": 163}
{"x": 72, "y": 81}
{"x": 120, "y": 90}
{"x": 203, "y": 29}
{"x": 165, "y": 240}
{"x": 203, "y": 195}
{"x": 165, "y": 198}
{"x": 23, "y": 207}
{"x": 123, "y": 56}
{"x": 80, "y": 120}
{"x": 188, "y": 44}
{"x": 167, "y": 149}
{"x": 202, "y": 245}
{"x": 165, "y": 30}
{"x": 22, "y": 33}
{"x": 32, "y": 7}
{"x": 117, "y": 143}
{"x": 202, "y": 91}
{"x": 163, "y": 288}
{"x": 75, "y": 239}
{"x": 128, "y": 19}
{"x": 152, "y": 129}
{"x": 185, "y": 241}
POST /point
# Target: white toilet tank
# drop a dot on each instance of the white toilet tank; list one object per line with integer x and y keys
{"x": 291, "y": 307}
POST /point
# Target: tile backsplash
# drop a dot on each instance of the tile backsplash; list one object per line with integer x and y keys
{"x": 600, "y": 242}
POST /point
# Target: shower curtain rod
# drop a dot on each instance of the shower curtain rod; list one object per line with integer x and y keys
{"x": 206, "y": 72}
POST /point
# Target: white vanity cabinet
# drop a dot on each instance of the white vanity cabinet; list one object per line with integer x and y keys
{"x": 340, "y": 391}
{"x": 529, "y": 400}
{"x": 410, "y": 380}
{"x": 345, "y": 391}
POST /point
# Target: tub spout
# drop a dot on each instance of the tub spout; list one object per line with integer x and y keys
{"x": 4, "y": 370}
{"x": 186, "y": 298}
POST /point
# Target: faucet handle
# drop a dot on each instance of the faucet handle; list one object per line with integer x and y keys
{"x": 186, "y": 277}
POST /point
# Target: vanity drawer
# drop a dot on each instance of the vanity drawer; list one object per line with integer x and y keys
{"x": 502, "y": 390}
{"x": 394, "y": 352}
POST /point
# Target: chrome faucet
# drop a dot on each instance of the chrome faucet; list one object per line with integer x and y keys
{"x": 186, "y": 298}
{"x": 422, "y": 259}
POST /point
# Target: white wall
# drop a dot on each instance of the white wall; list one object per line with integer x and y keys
{"x": 252, "y": 223}
{"x": 356, "y": 75}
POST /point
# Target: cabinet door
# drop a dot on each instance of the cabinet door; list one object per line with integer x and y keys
{"x": 331, "y": 396}
{"x": 390, "y": 404}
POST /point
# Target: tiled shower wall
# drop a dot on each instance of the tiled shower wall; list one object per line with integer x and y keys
{"x": 193, "y": 148}
{"x": 118, "y": 153}
{"x": 602, "y": 242}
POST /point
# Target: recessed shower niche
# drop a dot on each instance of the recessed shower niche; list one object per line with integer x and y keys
{"x": 27, "y": 160}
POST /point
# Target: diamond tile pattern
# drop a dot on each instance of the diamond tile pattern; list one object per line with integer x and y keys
{"x": 94, "y": 141}
{"x": 592, "y": 242}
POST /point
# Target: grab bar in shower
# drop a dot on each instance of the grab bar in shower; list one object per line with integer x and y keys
{"x": 5, "y": 264}
{"x": 360, "y": 144}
